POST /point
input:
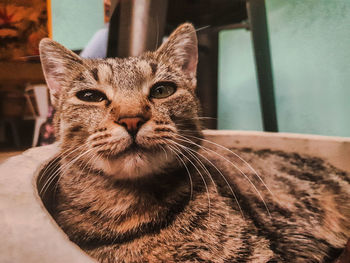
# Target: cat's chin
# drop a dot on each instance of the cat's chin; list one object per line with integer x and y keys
{"x": 134, "y": 163}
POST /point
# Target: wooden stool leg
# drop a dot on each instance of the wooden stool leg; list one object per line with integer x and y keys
{"x": 15, "y": 134}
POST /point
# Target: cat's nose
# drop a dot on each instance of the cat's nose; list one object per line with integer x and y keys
{"x": 132, "y": 124}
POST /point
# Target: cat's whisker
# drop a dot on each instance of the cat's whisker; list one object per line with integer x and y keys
{"x": 202, "y": 28}
{"x": 71, "y": 162}
{"x": 200, "y": 174}
{"x": 53, "y": 161}
{"x": 235, "y": 166}
{"x": 86, "y": 163}
{"x": 239, "y": 157}
{"x": 188, "y": 172}
{"x": 48, "y": 182}
{"x": 58, "y": 172}
{"x": 89, "y": 161}
{"x": 23, "y": 57}
{"x": 176, "y": 149}
{"x": 53, "y": 165}
{"x": 187, "y": 149}
{"x": 198, "y": 161}
{"x": 204, "y": 168}
{"x": 157, "y": 38}
{"x": 52, "y": 177}
{"x": 204, "y": 118}
{"x": 235, "y": 154}
{"x": 195, "y": 132}
{"x": 166, "y": 154}
{"x": 80, "y": 165}
{"x": 95, "y": 157}
{"x": 108, "y": 155}
{"x": 214, "y": 166}
{"x": 197, "y": 118}
{"x": 64, "y": 168}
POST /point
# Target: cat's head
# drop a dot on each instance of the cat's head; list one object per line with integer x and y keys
{"x": 125, "y": 117}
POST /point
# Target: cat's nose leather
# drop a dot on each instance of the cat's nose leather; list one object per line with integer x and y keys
{"x": 132, "y": 124}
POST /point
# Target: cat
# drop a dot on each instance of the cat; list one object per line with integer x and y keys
{"x": 138, "y": 182}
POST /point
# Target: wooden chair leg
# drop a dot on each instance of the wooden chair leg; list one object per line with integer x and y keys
{"x": 258, "y": 26}
{"x": 15, "y": 133}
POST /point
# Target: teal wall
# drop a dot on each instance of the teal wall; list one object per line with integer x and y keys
{"x": 310, "y": 46}
{"x": 75, "y": 22}
{"x": 238, "y": 102}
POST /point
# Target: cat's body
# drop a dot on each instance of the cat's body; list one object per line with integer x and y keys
{"x": 158, "y": 222}
{"x": 136, "y": 186}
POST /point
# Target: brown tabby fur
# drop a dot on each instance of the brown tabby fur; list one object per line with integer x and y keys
{"x": 160, "y": 196}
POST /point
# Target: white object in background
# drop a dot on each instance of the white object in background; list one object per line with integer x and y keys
{"x": 40, "y": 109}
{"x": 97, "y": 46}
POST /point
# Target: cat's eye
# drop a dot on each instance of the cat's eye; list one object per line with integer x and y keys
{"x": 162, "y": 90}
{"x": 91, "y": 95}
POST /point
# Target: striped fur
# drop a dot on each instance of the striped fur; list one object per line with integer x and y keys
{"x": 159, "y": 195}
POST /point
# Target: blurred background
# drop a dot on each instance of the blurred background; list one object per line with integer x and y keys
{"x": 274, "y": 65}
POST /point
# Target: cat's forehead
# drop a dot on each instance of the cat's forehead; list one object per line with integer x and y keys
{"x": 128, "y": 73}
{"x": 133, "y": 66}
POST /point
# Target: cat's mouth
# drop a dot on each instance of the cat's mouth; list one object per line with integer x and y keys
{"x": 133, "y": 149}
{"x": 126, "y": 147}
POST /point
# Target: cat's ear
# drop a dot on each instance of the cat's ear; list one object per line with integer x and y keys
{"x": 57, "y": 63}
{"x": 181, "y": 49}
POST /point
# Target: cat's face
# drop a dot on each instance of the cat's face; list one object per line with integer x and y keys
{"x": 123, "y": 115}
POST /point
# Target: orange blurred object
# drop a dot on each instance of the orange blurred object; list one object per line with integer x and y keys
{"x": 22, "y": 25}
{"x": 107, "y": 9}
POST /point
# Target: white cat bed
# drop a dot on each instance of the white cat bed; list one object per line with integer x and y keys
{"x": 30, "y": 235}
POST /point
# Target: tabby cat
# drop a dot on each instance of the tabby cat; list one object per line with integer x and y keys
{"x": 137, "y": 184}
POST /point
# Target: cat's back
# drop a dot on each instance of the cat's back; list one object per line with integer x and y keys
{"x": 300, "y": 204}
